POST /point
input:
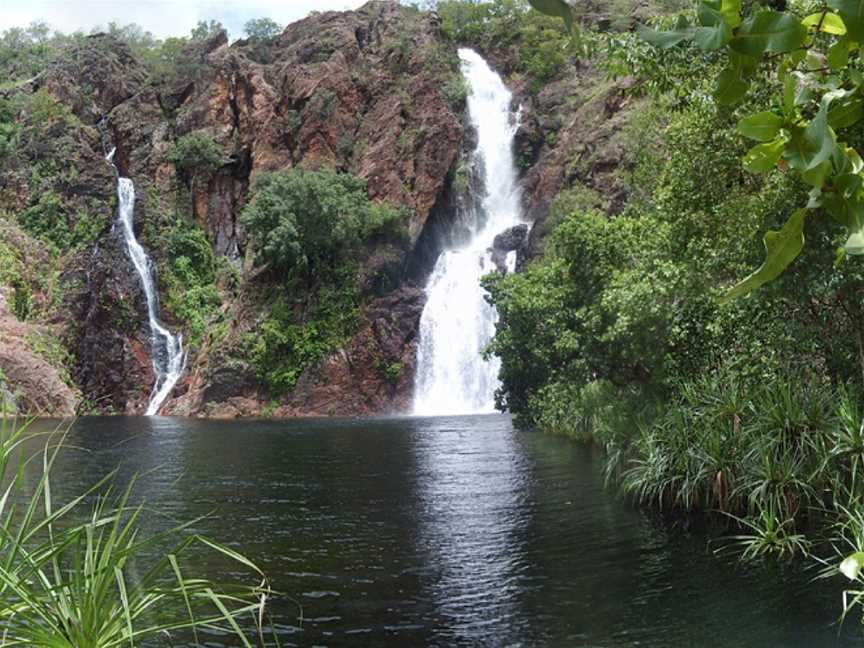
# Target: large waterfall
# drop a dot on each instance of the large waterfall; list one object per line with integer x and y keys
{"x": 166, "y": 348}
{"x": 457, "y": 322}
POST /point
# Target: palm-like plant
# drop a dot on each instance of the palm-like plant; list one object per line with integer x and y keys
{"x": 68, "y": 583}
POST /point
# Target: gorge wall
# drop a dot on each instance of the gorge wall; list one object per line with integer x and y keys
{"x": 373, "y": 92}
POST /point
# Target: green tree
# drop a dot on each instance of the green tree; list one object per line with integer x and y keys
{"x": 205, "y": 29}
{"x": 196, "y": 155}
{"x": 302, "y": 219}
{"x": 262, "y": 29}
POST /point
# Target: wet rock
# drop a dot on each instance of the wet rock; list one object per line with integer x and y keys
{"x": 374, "y": 373}
{"x": 108, "y": 331}
{"x": 511, "y": 239}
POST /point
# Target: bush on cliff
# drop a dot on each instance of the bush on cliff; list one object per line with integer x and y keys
{"x": 305, "y": 222}
{"x": 195, "y": 155}
{"x": 188, "y": 278}
{"x": 302, "y": 328}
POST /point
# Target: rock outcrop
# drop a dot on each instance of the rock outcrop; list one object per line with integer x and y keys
{"x": 513, "y": 239}
{"x": 33, "y": 380}
{"x": 360, "y": 91}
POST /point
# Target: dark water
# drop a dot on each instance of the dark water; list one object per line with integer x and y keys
{"x": 448, "y": 531}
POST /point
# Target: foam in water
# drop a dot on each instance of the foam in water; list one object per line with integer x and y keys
{"x": 457, "y": 322}
{"x": 166, "y": 348}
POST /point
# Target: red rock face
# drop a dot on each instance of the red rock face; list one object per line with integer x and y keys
{"x": 355, "y": 91}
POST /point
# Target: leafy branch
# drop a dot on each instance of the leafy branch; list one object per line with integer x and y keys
{"x": 811, "y": 59}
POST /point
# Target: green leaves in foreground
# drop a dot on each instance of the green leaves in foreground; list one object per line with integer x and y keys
{"x": 762, "y": 127}
{"x": 71, "y": 578}
{"x": 852, "y": 13}
{"x": 822, "y": 92}
{"x": 556, "y": 9}
{"x": 781, "y": 249}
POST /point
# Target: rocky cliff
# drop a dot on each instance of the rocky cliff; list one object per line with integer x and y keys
{"x": 368, "y": 92}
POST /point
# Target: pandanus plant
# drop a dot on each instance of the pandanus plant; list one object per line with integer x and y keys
{"x": 82, "y": 574}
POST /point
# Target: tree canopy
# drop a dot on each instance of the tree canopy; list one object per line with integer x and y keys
{"x": 808, "y": 56}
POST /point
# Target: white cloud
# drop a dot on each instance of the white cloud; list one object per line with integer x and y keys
{"x": 162, "y": 17}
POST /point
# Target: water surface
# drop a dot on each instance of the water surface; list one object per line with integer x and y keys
{"x": 447, "y": 531}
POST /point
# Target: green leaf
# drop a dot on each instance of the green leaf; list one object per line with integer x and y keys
{"x": 838, "y": 54}
{"x": 855, "y": 243}
{"x": 731, "y": 10}
{"x": 762, "y": 127}
{"x": 764, "y": 157}
{"x": 852, "y": 13}
{"x": 666, "y": 39}
{"x": 846, "y": 112}
{"x": 811, "y": 146}
{"x": 712, "y": 38}
{"x": 782, "y": 248}
{"x": 842, "y": 203}
{"x": 734, "y": 81}
{"x": 556, "y": 9}
{"x": 714, "y": 33}
{"x": 826, "y": 21}
{"x": 815, "y": 177}
{"x": 769, "y": 31}
{"x": 854, "y": 159}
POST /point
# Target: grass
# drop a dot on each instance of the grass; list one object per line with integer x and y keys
{"x": 778, "y": 464}
{"x": 82, "y": 574}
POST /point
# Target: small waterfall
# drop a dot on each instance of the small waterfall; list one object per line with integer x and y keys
{"x": 457, "y": 322}
{"x": 166, "y": 348}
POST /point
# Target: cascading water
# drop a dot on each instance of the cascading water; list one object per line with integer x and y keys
{"x": 457, "y": 322}
{"x": 166, "y": 348}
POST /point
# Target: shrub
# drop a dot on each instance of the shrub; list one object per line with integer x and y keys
{"x": 196, "y": 155}
{"x": 47, "y": 220}
{"x": 305, "y": 221}
{"x": 294, "y": 336}
{"x": 22, "y": 300}
{"x": 456, "y": 91}
{"x": 76, "y": 578}
{"x": 188, "y": 275}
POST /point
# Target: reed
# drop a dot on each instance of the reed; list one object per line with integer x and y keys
{"x": 83, "y": 574}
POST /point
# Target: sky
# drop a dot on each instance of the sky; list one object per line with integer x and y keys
{"x": 161, "y": 17}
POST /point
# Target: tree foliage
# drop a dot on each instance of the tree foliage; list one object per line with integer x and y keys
{"x": 196, "y": 152}
{"x": 206, "y": 29}
{"x": 306, "y": 220}
{"x": 810, "y": 59}
{"x": 262, "y": 29}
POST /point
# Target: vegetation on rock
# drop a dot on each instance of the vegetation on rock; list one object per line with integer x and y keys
{"x": 624, "y": 332}
{"x": 306, "y": 221}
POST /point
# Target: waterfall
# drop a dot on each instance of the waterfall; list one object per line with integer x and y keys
{"x": 457, "y": 322}
{"x": 166, "y": 348}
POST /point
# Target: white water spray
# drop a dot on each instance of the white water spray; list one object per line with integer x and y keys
{"x": 457, "y": 322}
{"x": 166, "y": 348}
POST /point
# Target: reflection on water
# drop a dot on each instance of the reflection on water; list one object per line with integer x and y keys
{"x": 445, "y": 531}
{"x": 474, "y": 490}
